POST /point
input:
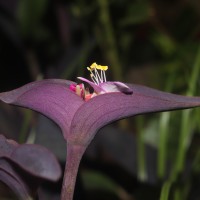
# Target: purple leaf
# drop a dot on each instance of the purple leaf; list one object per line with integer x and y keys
{"x": 38, "y": 161}
{"x": 17, "y": 162}
{"x": 6, "y": 146}
{"x": 14, "y": 180}
{"x": 80, "y": 120}
{"x": 109, "y": 107}
{"x": 53, "y": 98}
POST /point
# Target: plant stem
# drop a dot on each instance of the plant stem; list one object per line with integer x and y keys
{"x": 162, "y": 146}
{"x": 186, "y": 128}
{"x": 164, "y": 129}
{"x": 141, "y": 154}
{"x": 74, "y": 155}
{"x": 165, "y": 190}
{"x": 28, "y": 115}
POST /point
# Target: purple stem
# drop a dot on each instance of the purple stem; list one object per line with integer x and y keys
{"x": 74, "y": 155}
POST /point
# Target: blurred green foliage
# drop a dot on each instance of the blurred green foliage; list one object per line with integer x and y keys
{"x": 30, "y": 15}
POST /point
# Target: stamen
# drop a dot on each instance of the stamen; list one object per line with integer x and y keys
{"x": 94, "y": 79}
{"x": 93, "y": 65}
{"x": 96, "y": 76}
{"x": 104, "y": 68}
{"x": 101, "y": 67}
{"x": 104, "y": 75}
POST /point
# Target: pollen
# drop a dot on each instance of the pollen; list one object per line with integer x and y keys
{"x": 103, "y": 68}
{"x": 93, "y": 66}
{"x": 97, "y": 73}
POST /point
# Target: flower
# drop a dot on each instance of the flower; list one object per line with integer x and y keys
{"x": 81, "y": 113}
{"x": 99, "y": 84}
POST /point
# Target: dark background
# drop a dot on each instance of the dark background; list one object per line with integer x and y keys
{"x": 154, "y": 43}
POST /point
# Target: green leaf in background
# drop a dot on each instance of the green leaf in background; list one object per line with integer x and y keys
{"x": 29, "y": 15}
{"x": 137, "y": 12}
{"x": 96, "y": 181}
{"x": 164, "y": 43}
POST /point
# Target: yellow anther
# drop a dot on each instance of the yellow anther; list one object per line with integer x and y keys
{"x": 99, "y": 67}
{"x": 93, "y": 65}
{"x": 95, "y": 75}
{"x": 103, "y": 68}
